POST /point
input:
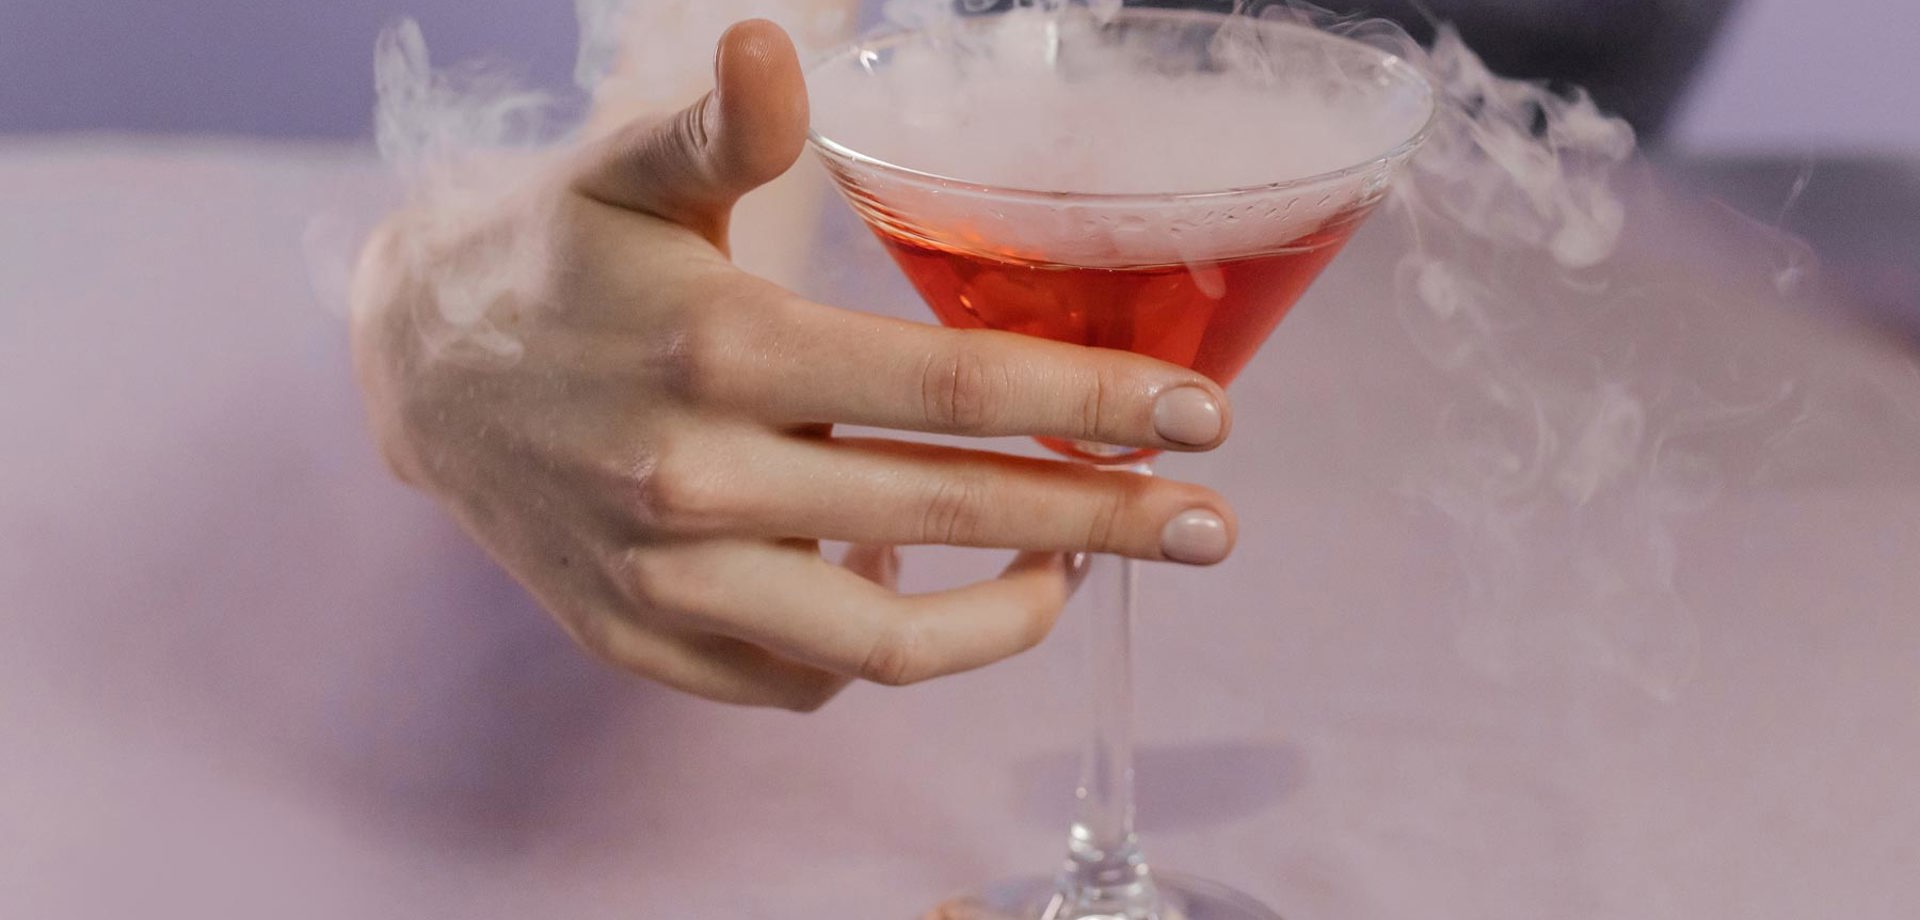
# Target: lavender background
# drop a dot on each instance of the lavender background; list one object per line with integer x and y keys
{"x": 1833, "y": 76}
{"x": 266, "y": 68}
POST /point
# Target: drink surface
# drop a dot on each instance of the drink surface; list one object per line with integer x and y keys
{"x": 1210, "y": 316}
{"x": 1047, "y": 103}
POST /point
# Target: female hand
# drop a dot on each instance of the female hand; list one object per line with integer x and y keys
{"x": 657, "y": 464}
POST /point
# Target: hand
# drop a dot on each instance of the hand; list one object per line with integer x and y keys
{"x": 657, "y": 463}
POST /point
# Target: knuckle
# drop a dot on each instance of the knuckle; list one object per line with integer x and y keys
{"x": 954, "y": 511}
{"x": 1105, "y": 517}
{"x": 720, "y": 332}
{"x": 662, "y": 584}
{"x": 644, "y": 580}
{"x": 675, "y": 492}
{"x": 963, "y": 390}
{"x": 897, "y": 658}
{"x": 698, "y": 353}
{"x": 1096, "y": 404}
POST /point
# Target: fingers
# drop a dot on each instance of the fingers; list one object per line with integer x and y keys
{"x": 791, "y": 602}
{"x": 896, "y": 493}
{"x": 803, "y": 363}
{"x": 768, "y": 625}
{"x": 691, "y": 167}
{"x": 726, "y": 669}
{"x": 718, "y": 668}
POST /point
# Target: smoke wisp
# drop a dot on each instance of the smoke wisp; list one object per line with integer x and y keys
{"x": 1600, "y": 392}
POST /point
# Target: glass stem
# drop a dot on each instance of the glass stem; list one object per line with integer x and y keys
{"x": 1105, "y": 876}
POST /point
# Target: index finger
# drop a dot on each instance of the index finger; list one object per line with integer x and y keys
{"x": 824, "y": 365}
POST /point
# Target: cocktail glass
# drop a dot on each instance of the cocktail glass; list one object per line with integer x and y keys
{"x": 1013, "y": 239}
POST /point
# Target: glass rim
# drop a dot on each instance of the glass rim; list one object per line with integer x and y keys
{"x": 834, "y": 149}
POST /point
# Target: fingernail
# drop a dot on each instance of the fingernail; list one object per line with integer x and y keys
{"x": 1195, "y": 538}
{"x": 1187, "y": 415}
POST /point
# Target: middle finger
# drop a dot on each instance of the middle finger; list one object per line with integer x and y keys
{"x": 898, "y": 493}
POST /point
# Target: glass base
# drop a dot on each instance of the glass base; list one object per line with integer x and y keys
{"x": 1184, "y": 898}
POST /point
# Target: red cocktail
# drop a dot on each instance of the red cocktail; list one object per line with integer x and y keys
{"x": 1210, "y": 316}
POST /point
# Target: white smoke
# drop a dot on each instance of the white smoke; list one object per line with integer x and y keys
{"x": 1095, "y": 122}
{"x": 471, "y": 143}
{"x": 1564, "y": 462}
{"x": 602, "y": 23}
{"x": 1550, "y": 463}
{"x": 1604, "y": 388}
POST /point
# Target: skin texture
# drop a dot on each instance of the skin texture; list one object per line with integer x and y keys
{"x": 657, "y": 463}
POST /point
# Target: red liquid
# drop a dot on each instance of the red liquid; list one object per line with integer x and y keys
{"x": 1209, "y": 316}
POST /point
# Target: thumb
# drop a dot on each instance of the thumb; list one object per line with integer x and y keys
{"x": 692, "y": 166}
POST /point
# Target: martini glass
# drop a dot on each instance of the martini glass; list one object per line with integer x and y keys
{"x": 1166, "y": 183}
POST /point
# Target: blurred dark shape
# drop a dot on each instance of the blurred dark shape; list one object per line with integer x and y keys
{"x": 1860, "y": 214}
{"x": 1636, "y": 56}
